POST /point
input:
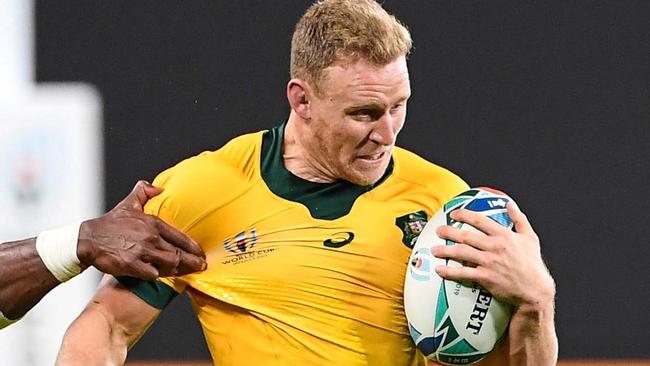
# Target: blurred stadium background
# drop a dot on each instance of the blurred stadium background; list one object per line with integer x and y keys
{"x": 546, "y": 100}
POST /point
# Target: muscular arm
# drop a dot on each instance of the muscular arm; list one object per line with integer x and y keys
{"x": 124, "y": 241}
{"x": 111, "y": 323}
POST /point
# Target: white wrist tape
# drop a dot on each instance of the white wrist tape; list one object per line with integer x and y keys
{"x": 5, "y": 322}
{"x": 58, "y": 250}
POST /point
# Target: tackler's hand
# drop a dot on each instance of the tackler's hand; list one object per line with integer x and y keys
{"x": 127, "y": 242}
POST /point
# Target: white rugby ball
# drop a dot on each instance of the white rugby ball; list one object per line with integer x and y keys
{"x": 455, "y": 323}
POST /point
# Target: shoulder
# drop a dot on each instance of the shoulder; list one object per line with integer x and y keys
{"x": 235, "y": 160}
{"x": 416, "y": 171}
{"x": 204, "y": 182}
{"x": 241, "y": 152}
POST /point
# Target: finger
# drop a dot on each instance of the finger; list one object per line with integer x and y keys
{"x": 143, "y": 270}
{"x": 174, "y": 262}
{"x": 519, "y": 219}
{"x": 138, "y": 197}
{"x": 463, "y": 273}
{"x": 178, "y": 238}
{"x": 150, "y": 190}
{"x": 189, "y": 263}
{"x": 477, "y": 220}
{"x": 164, "y": 260}
{"x": 460, "y": 253}
{"x": 467, "y": 235}
{"x": 178, "y": 262}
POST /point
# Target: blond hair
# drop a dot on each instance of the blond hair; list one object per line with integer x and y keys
{"x": 345, "y": 30}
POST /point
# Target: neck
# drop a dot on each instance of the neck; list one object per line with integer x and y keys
{"x": 296, "y": 156}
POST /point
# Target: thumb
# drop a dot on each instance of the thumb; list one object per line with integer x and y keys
{"x": 149, "y": 190}
{"x": 141, "y": 193}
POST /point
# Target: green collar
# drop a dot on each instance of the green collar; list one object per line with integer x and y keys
{"x": 327, "y": 201}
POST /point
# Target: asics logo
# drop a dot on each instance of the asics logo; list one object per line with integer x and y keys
{"x": 339, "y": 239}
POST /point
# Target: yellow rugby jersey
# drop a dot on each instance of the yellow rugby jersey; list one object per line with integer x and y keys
{"x": 299, "y": 273}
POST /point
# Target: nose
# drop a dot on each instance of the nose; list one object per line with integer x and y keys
{"x": 385, "y": 130}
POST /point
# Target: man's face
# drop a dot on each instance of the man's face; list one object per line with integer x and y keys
{"x": 355, "y": 121}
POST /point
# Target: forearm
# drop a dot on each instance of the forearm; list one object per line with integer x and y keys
{"x": 91, "y": 340}
{"x": 24, "y": 279}
{"x": 533, "y": 340}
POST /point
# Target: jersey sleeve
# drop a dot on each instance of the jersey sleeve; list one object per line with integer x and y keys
{"x": 157, "y": 293}
{"x": 160, "y": 292}
{"x": 192, "y": 190}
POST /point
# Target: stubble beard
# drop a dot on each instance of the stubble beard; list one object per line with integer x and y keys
{"x": 363, "y": 177}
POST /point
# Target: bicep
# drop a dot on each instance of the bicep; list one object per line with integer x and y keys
{"x": 112, "y": 322}
{"x": 127, "y": 315}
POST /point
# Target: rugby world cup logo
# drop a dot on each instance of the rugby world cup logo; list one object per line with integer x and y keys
{"x": 242, "y": 242}
{"x": 421, "y": 263}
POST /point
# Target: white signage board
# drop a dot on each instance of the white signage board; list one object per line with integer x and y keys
{"x": 51, "y": 174}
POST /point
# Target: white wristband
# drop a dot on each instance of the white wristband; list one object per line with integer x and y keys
{"x": 5, "y": 322}
{"x": 58, "y": 251}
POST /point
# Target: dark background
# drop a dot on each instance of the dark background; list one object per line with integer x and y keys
{"x": 546, "y": 100}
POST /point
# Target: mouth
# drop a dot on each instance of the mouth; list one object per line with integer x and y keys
{"x": 373, "y": 157}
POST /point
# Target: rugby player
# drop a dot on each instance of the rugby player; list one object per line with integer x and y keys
{"x": 307, "y": 227}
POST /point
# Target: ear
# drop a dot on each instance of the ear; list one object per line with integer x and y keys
{"x": 298, "y": 94}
